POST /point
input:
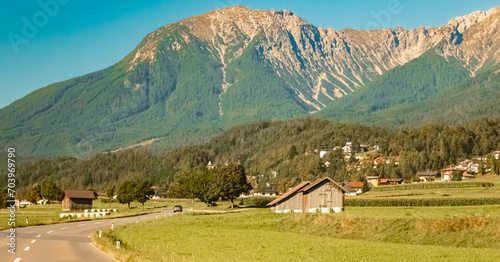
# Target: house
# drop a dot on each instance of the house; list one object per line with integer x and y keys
{"x": 379, "y": 160}
{"x": 374, "y": 180}
{"x": 446, "y": 172}
{"x": 327, "y": 164}
{"x": 77, "y": 200}
{"x": 353, "y": 188}
{"x": 427, "y": 176}
{"x": 391, "y": 181}
{"x": 210, "y": 165}
{"x": 321, "y": 196}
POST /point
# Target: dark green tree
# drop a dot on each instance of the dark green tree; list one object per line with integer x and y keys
{"x": 126, "y": 192}
{"x": 143, "y": 192}
{"x": 366, "y": 187}
{"x": 110, "y": 191}
{"x": 231, "y": 182}
{"x": 292, "y": 153}
{"x": 4, "y": 196}
{"x": 51, "y": 191}
{"x": 456, "y": 175}
{"x": 35, "y": 193}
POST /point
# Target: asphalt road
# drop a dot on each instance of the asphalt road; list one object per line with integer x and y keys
{"x": 62, "y": 242}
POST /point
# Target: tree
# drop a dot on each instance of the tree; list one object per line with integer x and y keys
{"x": 125, "y": 193}
{"x": 456, "y": 175}
{"x": 4, "y": 196}
{"x": 51, "y": 191}
{"x": 35, "y": 193}
{"x": 366, "y": 187}
{"x": 202, "y": 186}
{"x": 292, "y": 153}
{"x": 110, "y": 193}
{"x": 231, "y": 182}
{"x": 143, "y": 192}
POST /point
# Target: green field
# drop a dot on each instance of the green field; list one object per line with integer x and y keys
{"x": 366, "y": 234}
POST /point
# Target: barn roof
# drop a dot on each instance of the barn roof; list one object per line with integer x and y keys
{"x": 289, "y": 192}
{"x": 321, "y": 180}
{"x": 79, "y": 194}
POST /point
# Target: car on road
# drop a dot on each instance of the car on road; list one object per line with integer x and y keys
{"x": 177, "y": 208}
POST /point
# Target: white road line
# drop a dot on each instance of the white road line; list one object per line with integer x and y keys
{"x": 104, "y": 252}
{"x": 39, "y": 236}
{"x": 33, "y": 241}
{"x": 27, "y": 248}
{"x": 48, "y": 232}
{"x": 17, "y": 259}
{"x": 81, "y": 225}
{"x": 64, "y": 228}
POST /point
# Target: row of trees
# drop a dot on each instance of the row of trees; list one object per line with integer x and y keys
{"x": 130, "y": 191}
{"x": 210, "y": 185}
{"x": 48, "y": 190}
{"x": 276, "y": 153}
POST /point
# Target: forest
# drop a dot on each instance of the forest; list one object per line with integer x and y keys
{"x": 275, "y": 154}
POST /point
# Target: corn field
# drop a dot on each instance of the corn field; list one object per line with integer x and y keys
{"x": 424, "y": 202}
{"x": 433, "y": 185}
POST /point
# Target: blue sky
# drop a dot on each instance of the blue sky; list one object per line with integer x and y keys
{"x": 72, "y": 38}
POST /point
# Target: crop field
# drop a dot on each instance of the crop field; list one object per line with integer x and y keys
{"x": 360, "y": 233}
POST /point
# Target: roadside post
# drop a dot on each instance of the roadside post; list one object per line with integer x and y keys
{"x": 100, "y": 233}
{"x": 112, "y": 224}
{"x": 117, "y": 244}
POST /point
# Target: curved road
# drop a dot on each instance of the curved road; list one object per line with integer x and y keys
{"x": 62, "y": 242}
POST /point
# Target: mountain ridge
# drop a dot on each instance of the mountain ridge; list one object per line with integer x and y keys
{"x": 193, "y": 78}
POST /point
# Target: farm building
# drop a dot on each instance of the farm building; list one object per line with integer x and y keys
{"x": 322, "y": 196}
{"x": 77, "y": 200}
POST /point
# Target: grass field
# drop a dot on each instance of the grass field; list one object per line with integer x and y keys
{"x": 366, "y": 234}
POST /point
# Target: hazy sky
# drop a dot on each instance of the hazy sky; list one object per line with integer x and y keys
{"x": 45, "y": 43}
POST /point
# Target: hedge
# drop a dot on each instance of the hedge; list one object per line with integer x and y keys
{"x": 256, "y": 201}
{"x": 433, "y": 185}
{"x": 423, "y": 202}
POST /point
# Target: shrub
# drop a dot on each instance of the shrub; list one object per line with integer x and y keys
{"x": 256, "y": 201}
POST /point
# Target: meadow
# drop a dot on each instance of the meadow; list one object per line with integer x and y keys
{"x": 360, "y": 233}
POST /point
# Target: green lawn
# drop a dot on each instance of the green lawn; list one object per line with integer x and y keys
{"x": 365, "y": 234}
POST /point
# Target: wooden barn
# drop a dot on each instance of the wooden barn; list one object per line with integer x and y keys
{"x": 322, "y": 196}
{"x": 77, "y": 200}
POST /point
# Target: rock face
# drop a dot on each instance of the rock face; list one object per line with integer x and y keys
{"x": 191, "y": 79}
{"x": 321, "y": 64}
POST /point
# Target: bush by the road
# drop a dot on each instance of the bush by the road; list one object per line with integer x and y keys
{"x": 256, "y": 201}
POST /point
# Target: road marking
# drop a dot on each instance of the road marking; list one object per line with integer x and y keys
{"x": 64, "y": 228}
{"x": 104, "y": 252}
{"x": 81, "y": 225}
{"x": 27, "y": 248}
{"x": 48, "y": 232}
{"x": 33, "y": 241}
{"x": 89, "y": 236}
{"x": 98, "y": 222}
{"x": 17, "y": 259}
{"x": 39, "y": 236}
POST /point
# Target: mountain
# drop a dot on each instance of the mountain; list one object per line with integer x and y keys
{"x": 192, "y": 79}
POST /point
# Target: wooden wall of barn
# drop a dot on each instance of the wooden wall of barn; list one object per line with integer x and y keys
{"x": 325, "y": 195}
{"x": 293, "y": 202}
